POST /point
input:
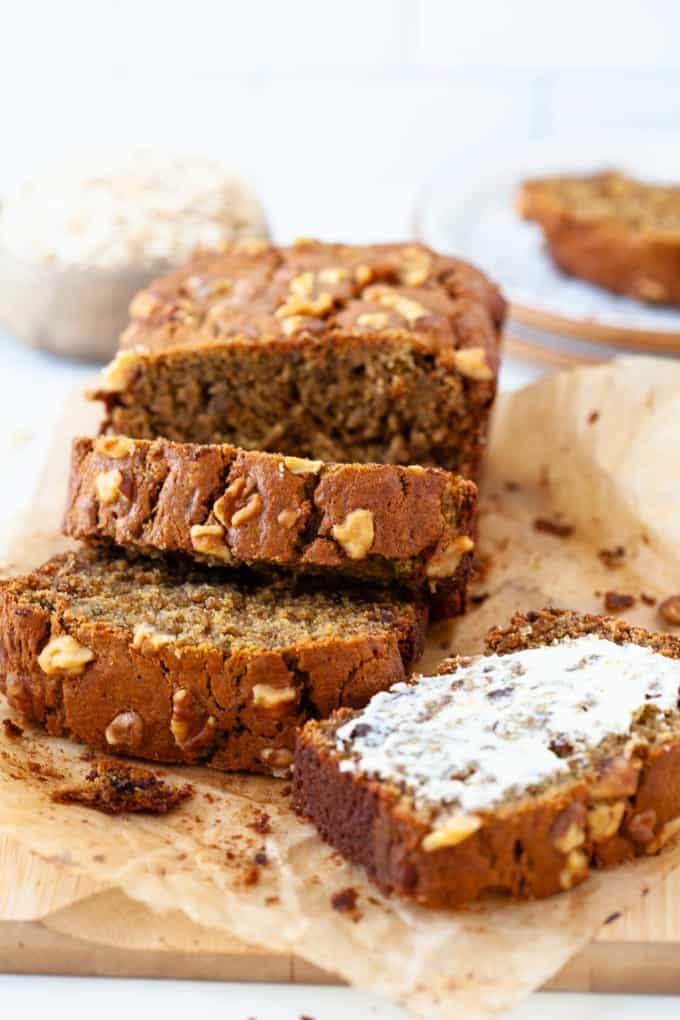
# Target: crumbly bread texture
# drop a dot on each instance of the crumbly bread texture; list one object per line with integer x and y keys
{"x": 181, "y": 664}
{"x": 600, "y": 802}
{"x": 617, "y": 232}
{"x": 115, "y": 788}
{"x": 371, "y": 354}
{"x": 383, "y": 523}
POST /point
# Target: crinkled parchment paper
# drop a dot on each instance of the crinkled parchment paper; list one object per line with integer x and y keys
{"x": 595, "y": 449}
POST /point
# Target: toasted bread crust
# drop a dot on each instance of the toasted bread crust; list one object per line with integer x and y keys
{"x": 606, "y": 244}
{"x": 516, "y": 851}
{"x": 407, "y": 525}
{"x": 190, "y": 699}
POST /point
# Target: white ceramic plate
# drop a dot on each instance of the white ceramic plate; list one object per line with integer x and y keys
{"x": 468, "y": 210}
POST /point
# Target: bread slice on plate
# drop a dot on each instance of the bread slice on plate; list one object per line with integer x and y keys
{"x": 612, "y": 230}
{"x": 343, "y": 353}
{"x": 176, "y": 663}
{"x": 409, "y": 526}
{"x": 515, "y": 772}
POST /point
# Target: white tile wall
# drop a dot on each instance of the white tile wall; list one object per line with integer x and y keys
{"x": 339, "y": 111}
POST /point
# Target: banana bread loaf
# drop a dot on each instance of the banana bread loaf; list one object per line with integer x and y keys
{"x": 381, "y": 523}
{"x": 510, "y": 773}
{"x": 373, "y": 354}
{"x": 617, "y": 232}
{"x": 181, "y": 664}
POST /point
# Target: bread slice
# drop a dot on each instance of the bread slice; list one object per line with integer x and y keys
{"x": 377, "y": 523}
{"x": 350, "y": 354}
{"x": 510, "y": 773}
{"x": 617, "y": 232}
{"x": 180, "y": 664}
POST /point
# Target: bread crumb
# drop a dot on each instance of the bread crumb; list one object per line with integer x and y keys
{"x": 669, "y": 610}
{"x": 12, "y": 731}
{"x": 613, "y": 558}
{"x": 615, "y": 602}
{"x": 344, "y": 900}
{"x": 551, "y": 527}
{"x": 261, "y": 824}
{"x": 115, "y": 788}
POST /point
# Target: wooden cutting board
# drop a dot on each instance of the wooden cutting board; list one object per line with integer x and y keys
{"x": 54, "y": 922}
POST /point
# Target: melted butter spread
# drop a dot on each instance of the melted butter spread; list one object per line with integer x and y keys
{"x": 503, "y": 724}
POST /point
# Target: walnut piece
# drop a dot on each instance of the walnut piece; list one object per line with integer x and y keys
{"x": 604, "y": 820}
{"x": 415, "y": 267}
{"x": 471, "y": 362}
{"x": 333, "y": 274}
{"x": 287, "y": 518}
{"x": 293, "y": 324}
{"x": 232, "y": 492}
{"x": 452, "y": 833}
{"x": 115, "y": 447}
{"x": 299, "y": 305}
{"x": 303, "y": 285}
{"x": 406, "y": 307}
{"x": 146, "y": 636}
{"x": 107, "y": 486}
{"x": 363, "y": 275}
{"x": 64, "y": 654}
{"x": 619, "y": 777}
{"x": 144, "y": 305}
{"x": 372, "y": 320}
{"x": 125, "y": 730}
{"x": 118, "y": 374}
{"x": 251, "y": 509}
{"x": 356, "y": 533}
{"x": 193, "y": 730}
{"x": 575, "y": 869}
{"x": 269, "y": 697}
{"x": 445, "y": 562}
{"x": 277, "y": 759}
{"x": 208, "y": 539}
{"x": 302, "y": 466}
{"x": 568, "y": 831}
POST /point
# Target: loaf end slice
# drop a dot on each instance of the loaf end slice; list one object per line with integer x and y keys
{"x": 512, "y": 773}
{"x": 614, "y": 231}
{"x": 378, "y": 523}
{"x": 175, "y": 663}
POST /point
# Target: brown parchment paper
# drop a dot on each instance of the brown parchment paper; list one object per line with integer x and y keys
{"x": 596, "y": 449}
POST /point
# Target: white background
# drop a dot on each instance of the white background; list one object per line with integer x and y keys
{"x": 339, "y": 113}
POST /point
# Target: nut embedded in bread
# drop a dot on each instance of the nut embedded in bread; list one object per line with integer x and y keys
{"x": 408, "y": 526}
{"x": 515, "y": 772}
{"x": 354, "y": 354}
{"x": 612, "y": 230}
{"x": 176, "y": 663}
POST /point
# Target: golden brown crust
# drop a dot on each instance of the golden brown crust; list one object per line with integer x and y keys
{"x": 541, "y": 845}
{"x": 247, "y": 295}
{"x": 384, "y": 353}
{"x": 621, "y": 234}
{"x": 379, "y": 523}
{"x": 99, "y": 678}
